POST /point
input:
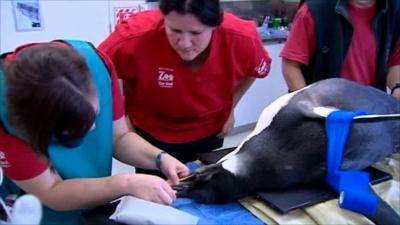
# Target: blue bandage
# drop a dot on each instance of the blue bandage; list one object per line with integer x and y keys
{"x": 353, "y": 185}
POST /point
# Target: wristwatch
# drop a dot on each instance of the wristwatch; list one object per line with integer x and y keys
{"x": 158, "y": 159}
{"x": 397, "y": 85}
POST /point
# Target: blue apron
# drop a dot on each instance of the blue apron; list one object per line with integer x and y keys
{"x": 94, "y": 156}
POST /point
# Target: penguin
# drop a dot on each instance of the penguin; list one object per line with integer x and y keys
{"x": 288, "y": 146}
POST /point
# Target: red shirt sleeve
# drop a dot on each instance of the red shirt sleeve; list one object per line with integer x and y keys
{"x": 111, "y": 48}
{"x": 301, "y": 43}
{"x": 245, "y": 49}
{"x": 260, "y": 63}
{"x": 18, "y": 160}
{"x": 394, "y": 59}
{"x": 118, "y": 100}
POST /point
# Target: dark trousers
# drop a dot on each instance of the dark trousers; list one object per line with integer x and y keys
{"x": 184, "y": 152}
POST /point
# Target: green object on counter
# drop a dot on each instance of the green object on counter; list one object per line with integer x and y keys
{"x": 276, "y": 22}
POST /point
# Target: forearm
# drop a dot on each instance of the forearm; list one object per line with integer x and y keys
{"x": 130, "y": 148}
{"x": 241, "y": 89}
{"x": 75, "y": 194}
{"x": 293, "y": 75}
{"x": 134, "y": 150}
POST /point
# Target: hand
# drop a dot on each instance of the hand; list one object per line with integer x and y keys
{"x": 151, "y": 188}
{"x": 396, "y": 93}
{"x": 173, "y": 169}
{"x": 228, "y": 126}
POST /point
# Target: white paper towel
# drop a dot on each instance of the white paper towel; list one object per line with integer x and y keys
{"x": 133, "y": 210}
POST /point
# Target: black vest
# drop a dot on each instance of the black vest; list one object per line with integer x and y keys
{"x": 334, "y": 32}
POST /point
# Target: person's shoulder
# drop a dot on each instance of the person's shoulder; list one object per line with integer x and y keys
{"x": 11, "y": 145}
{"x": 235, "y": 28}
{"x": 140, "y": 29}
{"x": 15, "y": 154}
{"x": 11, "y": 56}
{"x": 303, "y": 10}
{"x": 140, "y": 24}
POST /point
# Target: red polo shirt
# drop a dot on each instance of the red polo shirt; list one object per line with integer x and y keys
{"x": 360, "y": 62}
{"x": 164, "y": 97}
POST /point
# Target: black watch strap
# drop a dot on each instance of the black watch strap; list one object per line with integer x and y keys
{"x": 395, "y": 87}
{"x": 158, "y": 159}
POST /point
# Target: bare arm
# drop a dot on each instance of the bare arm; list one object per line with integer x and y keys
{"x": 241, "y": 89}
{"x": 239, "y": 92}
{"x": 82, "y": 193}
{"x": 292, "y": 73}
{"x": 132, "y": 149}
{"x": 393, "y": 78}
{"x": 71, "y": 194}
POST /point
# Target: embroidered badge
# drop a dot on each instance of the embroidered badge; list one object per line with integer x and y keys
{"x": 262, "y": 68}
{"x": 165, "y": 78}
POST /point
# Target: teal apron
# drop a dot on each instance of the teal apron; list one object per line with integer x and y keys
{"x": 91, "y": 159}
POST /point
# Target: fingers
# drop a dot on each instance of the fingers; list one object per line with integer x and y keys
{"x": 151, "y": 188}
{"x": 172, "y": 174}
{"x": 184, "y": 172}
{"x": 173, "y": 178}
{"x": 225, "y": 130}
{"x": 179, "y": 173}
{"x": 166, "y": 195}
{"x": 222, "y": 134}
{"x": 174, "y": 170}
{"x": 228, "y": 126}
{"x": 181, "y": 177}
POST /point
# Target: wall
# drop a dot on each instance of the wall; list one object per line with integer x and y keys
{"x": 263, "y": 91}
{"x": 83, "y": 19}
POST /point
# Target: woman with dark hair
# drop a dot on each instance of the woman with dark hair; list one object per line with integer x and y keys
{"x": 61, "y": 121}
{"x": 188, "y": 63}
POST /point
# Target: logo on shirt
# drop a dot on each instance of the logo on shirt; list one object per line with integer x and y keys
{"x": 262, "y": 68}
{"x": 3, "y": 160}
{"x": 165, "y": 78}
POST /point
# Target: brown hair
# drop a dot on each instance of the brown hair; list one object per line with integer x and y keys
{"x": 48, "y": 92}
{"x": 209, "y": 12}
